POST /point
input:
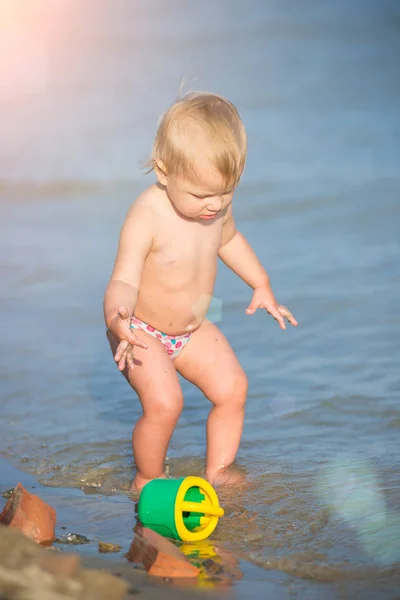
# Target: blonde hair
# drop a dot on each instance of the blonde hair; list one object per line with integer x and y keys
{"x": 217, "y": 122}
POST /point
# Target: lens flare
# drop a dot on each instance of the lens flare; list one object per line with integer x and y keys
{"x": 350, "y": 488}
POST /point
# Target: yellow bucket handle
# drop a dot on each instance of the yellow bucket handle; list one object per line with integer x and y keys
{"x": 206, "y": 509}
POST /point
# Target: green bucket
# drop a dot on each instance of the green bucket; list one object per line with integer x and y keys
{"x": 185, "y": 509}
{"x": 156, "y": 508}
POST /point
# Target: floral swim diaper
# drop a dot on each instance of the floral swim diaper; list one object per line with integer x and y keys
{"x": 172, "y": 343}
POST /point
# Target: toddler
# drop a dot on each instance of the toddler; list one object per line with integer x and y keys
{"x": 156, "y": 302}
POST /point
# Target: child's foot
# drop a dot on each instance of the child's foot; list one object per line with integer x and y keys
{"x": 230, "y": 476}
{"x": 139, "y": 482}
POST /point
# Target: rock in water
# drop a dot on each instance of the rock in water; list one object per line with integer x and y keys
{"x": 31, "y": 572}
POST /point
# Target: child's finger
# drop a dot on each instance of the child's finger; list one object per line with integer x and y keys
{"x": 135, "y": 341}
{"x": 277, "y": 315}
{"x": 286, "y": 313}
{"x": 122, "y": 346}
{"x": 130, "y": 358}
{"x": 122, "y": 362}
{"x": 123, "y": 313}
{"x": 251, "y": 309}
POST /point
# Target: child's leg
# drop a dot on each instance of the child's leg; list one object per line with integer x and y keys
{"x": 155, "y": 381}
{"x": 209, "y": 362}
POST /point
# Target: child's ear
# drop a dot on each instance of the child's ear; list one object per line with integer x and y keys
{"x": 161, "y": 172}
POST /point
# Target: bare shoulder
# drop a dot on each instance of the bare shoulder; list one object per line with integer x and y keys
{"x": 136, "y": 238}
{"x": 145, "y": 204}
{"x": 138, "y": 228}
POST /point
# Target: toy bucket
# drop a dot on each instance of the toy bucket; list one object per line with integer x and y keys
{"x": 185, "y": 509}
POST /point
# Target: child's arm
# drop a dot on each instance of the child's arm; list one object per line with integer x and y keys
{"x": 238, "y": 255}
{"x": 121, "y": 293}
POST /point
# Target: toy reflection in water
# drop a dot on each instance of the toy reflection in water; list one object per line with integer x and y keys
{"x": 217, "y": 565}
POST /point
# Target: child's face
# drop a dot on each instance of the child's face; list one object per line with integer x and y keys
{"x": 200, "y": 196}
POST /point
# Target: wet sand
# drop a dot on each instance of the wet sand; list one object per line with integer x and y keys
{"x": 71, "y": 519}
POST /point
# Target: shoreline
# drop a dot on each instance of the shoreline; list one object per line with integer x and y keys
{"x": 254, "y": 578}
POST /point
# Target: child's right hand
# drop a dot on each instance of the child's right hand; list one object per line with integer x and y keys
{"x": 120, "y": 327}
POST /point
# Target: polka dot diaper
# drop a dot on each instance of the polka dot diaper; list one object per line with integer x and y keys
{"x": 172, "y": 343}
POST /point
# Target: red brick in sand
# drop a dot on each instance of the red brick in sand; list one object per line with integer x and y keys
{"x": 31, "y": 515}
{"x": 159, "y": 556}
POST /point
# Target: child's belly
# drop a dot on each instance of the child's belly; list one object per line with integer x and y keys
{"x": 173, "y": 299}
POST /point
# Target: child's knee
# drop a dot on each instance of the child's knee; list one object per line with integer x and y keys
{"x": 239, "y": 390}
{"x": 166, "y": 408}
{"x": 234, "y": 393}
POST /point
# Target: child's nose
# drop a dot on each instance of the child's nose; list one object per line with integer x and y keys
{"x": 216, "y": 204}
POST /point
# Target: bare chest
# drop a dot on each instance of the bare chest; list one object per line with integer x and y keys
{"x": 187, "y": 246}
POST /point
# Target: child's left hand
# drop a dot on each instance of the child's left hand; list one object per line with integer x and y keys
{"x": 263, "y": 297}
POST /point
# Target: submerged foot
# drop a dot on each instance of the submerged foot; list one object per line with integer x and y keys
{"x": 139, "y": 482}
{"x": 231, "y": 476}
